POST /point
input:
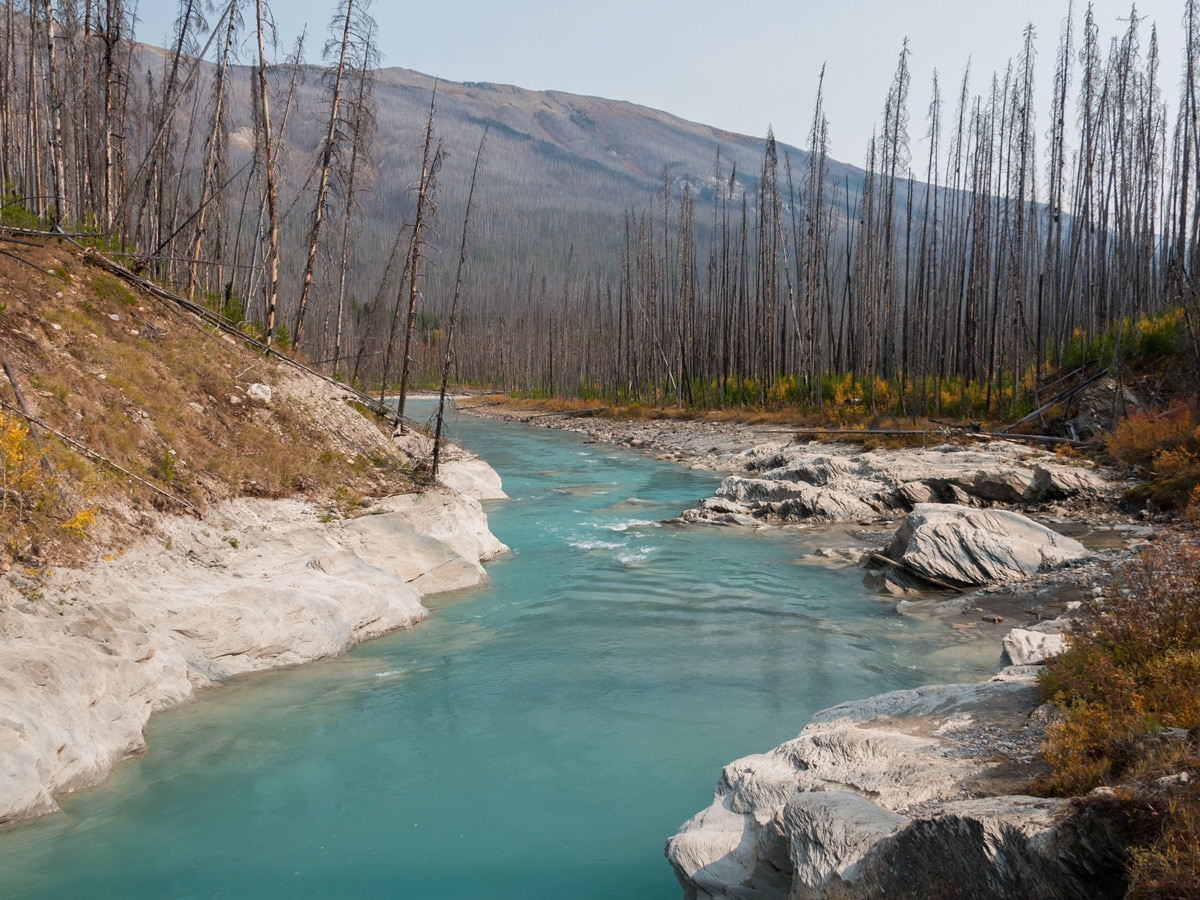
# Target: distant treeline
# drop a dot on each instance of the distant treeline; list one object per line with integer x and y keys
{"x": 956, "y": 285}
{"x": 957, "y": 280}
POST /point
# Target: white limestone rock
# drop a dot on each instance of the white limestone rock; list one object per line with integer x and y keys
{"x": 719, "y": 511}
{"x": 913, "y": 492}
{"x": 1031, "y": 648}
{"x": 882, "y": 748}
{"x": 457, "y": 469}
{"x": 839, "y": 828}
{"x": 971, "y": 547}
{"x": 471, "y": 476}
{"x": 757, "y": 490}
{"x": 1058, "y": 482}
{"x": 257, "y": 585}
{"x": 818, "y": 471}
{"x": 838, "y": 483}
{"x": 873, "y": 799}
{"x": 1004, "y": 485}
{"x": 259, "y": 393}
{"x": 793, "y": 500}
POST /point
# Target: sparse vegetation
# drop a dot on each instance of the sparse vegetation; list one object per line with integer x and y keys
{"x": 345, "y": 501}
{"x": 1129, "y": 693}
{"x": 163, "y": 398}
{"x": 107, "y": 289}
{"x": 1163, "y": 448}
{"x": 165, "y": 470}
{"x": 33, "y": 515}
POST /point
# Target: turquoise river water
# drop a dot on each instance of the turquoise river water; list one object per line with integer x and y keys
{"x": 538, "y": 737}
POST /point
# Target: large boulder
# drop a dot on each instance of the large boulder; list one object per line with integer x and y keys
{"x": 947, "y": 544}
{"x": 908, "y": 794}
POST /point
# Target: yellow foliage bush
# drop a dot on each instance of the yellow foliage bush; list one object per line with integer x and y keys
{"x": 1165, "y": 448}
{"x": 20, "y": 465}
{"x": 78, "y": 525}
{"x": 1143, "y": 435}
{"x": 28, "y": 495}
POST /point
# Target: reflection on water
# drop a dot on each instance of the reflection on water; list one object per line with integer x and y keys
{"x": 538, "y": 737}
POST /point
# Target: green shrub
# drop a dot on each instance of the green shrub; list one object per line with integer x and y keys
{"x": 15, "y": 214}
{"x": 111, "y": 289}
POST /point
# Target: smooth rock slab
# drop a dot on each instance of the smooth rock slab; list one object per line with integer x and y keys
{"x": 839, "y": 828}
{"x": 973, "y": 547}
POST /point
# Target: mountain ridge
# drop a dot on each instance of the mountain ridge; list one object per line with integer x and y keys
{"x": 560, "y": 172}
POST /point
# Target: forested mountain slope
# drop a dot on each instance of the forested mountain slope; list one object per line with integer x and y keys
{"x": 615, "y": 251}
{"x": 559, "y": 173}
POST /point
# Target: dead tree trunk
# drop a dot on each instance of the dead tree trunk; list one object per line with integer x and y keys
{"x": 462, "y": 260}
{"x": 269, "y": 170}
{"x": 429, "y": 166}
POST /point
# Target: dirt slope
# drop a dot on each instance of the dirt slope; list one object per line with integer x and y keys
{"x": 154, "y": 390}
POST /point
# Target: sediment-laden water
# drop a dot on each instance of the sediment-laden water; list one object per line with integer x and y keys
{"x": 538, "y": 737}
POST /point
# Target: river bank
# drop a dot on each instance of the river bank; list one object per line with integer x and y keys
{"x": 913, "y": 791}
{"x": 488, "y": 752}
{"x": 87, "y": 655}
{"x": 849, "y": 501}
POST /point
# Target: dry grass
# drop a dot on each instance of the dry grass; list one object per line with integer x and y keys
{"x": 1129, "y": 691}
{"x": 1168, "y": 866}
{"x": 164, "y": 396}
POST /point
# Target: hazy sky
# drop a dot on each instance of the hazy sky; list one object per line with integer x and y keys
{"x": 740, "y": 66}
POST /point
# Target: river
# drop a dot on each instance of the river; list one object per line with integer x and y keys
{"x": 538, "y": 737}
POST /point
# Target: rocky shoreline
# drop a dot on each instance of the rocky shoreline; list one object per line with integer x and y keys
{"x": 913, "y": 793}
{"x": 910, "y": 794}
{"x": 850, "y": 502}
{"x": 87, "y": 655}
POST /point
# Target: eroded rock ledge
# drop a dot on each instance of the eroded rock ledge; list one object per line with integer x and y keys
{"x": 811, "y": 483}
{"x": 908, "y": 794}
{"x": 87, "y": 656}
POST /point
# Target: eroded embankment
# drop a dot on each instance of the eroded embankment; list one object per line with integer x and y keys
{"x": 86, "y": 655}
{"x": 913, "y": 793}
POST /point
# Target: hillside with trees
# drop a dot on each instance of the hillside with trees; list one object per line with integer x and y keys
{"x": 981, "y": 281}
{"x": 616, "y": 253}
{"x": 281, "y": 191}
